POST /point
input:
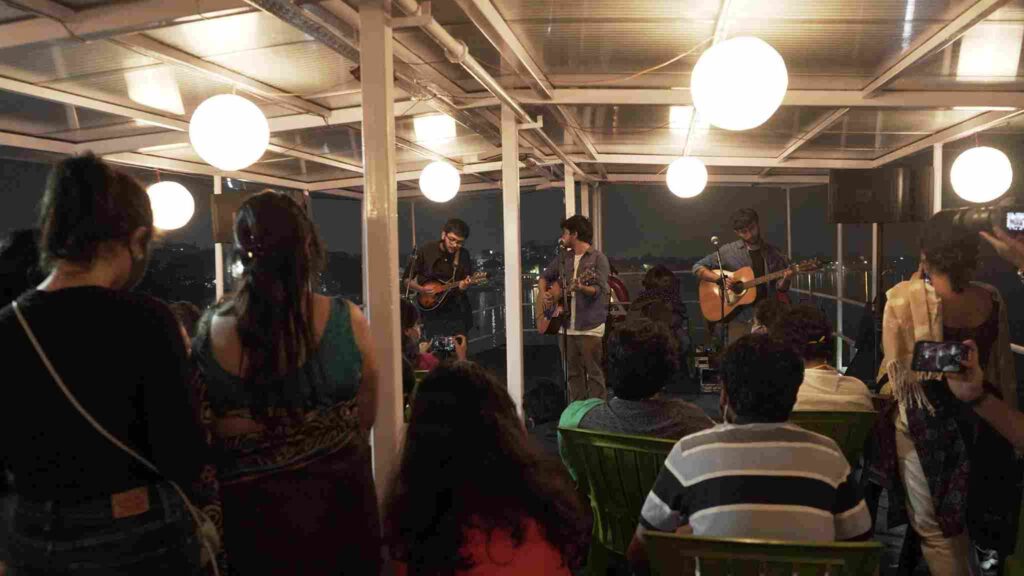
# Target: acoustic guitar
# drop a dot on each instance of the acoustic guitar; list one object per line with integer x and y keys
{"x": 549, "y": 319}
{"x": 743, "y": 292}
{"x": 433, "y": 300}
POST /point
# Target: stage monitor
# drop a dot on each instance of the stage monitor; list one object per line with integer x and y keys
{"x": 898, "y": 193}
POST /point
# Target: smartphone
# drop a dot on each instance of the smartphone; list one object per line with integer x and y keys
{"x": 1015, "y": 222}
{"x": 443, "y": 344}
{"x": 938, "y": 357}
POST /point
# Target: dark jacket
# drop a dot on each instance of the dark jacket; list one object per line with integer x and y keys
{"x": 591, "y": 311}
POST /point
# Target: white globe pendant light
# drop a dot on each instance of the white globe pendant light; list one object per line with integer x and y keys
{"x": 172, "y": 205}
{"x": 739, "y": 83}
{"x": 439, "y": 181}
{"x": 981, "y": 174}
{"x": 687, "y": 177}
{"x": 229, "y": 132}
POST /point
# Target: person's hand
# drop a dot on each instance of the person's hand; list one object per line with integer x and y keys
{"x": 729, "y": 282}
{"x": 428, "y": 290}
{"x": 424, "y": 347}
{"x": 464, "y": 283}
{"x": 967, "y": 385}
{"x": 548, "y": 299}
{"x": 1009, "y": 248}
{"x": 787, "y": 274}
{"x": 461, "y": 346}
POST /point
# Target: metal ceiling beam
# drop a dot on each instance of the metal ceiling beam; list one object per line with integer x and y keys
{"x": 181, "y": 166}
{"x": 327, "y": 161}
{"x": 458, "y": 52}
{"x": 819, "y": 127}
{"x": 945, "y": 36}
{"x": 35, "y": 143}
{"x": 724, "y": 179}
{"x": 664, "y": 160}
{"x": 113, "y": 19}
{"x": 47, "y": 8}
{"x": 979, "y": 123}
{"x": 827, "y": 98}
{"x": 159, "y": 51}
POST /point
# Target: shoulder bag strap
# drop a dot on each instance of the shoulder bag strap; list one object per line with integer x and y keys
{"x": 103, "y": 431}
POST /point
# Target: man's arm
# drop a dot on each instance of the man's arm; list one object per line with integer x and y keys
{"x": 783, "y": 284}
{"x": 969, "y": 387}
{"x": 413, "y": 273}
{"x": 465, "y": 259}
{"x": 600, "y": 285}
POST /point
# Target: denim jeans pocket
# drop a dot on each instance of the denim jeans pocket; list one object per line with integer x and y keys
{"x": 84, "y": 539}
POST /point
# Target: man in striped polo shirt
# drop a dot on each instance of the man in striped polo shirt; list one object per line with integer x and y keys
{"x": 756, "y": 476}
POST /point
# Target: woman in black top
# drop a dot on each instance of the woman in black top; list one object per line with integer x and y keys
{"x": 82, "y": 506}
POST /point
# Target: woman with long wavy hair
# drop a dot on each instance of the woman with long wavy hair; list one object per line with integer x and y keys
{"x": 290, "y": 382}
{"x": 473, "y": 495}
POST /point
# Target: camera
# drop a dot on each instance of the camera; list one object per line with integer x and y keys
{"x": 444, "y": 344}
{"x": 938, "y": 357}
{"x": 986, "y": 218}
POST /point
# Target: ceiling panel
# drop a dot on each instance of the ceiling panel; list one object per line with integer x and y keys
{"x": 548, "y": 11}
{"x": 9, "y": 14}
{"x": 342, "y": 142}
{"x": 60, "y": 61}
{"x": 32, "y": 116}
{"x": 306, "y": 69}
{"x": 219, "y": 36}
{"x": 867, "y": 134}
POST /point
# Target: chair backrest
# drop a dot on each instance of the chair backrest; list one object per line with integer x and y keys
{"x": 616, "y": 471}
{"x": 849, "y": 429}
{"x": 674, "y": 554}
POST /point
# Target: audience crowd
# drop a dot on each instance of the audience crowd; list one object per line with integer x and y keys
{"x": 156, "y": 438}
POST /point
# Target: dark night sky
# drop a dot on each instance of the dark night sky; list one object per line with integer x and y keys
{"x": 639, "y": 220}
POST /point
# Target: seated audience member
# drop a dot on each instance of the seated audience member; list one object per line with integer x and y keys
{"x": 416, "y": 354}
{"x": 767, "y": 313}
{"x": 756, "y": 476}
{"x": 81, "y": 504}
{"x": 472, "y": 494}
{"x": 291, "y": 382}
{"x": 640, "y": 363}
{"x": 543, "y": 404}
{"x": 807, "y": 330}
{"x": 660, "y": 301}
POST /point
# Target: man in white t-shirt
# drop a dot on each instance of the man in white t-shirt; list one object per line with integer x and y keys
{"x": 588, "y": 310}
{"x": 807, "y": 330}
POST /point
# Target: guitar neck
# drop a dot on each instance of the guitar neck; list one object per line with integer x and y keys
{"x": 766, "y": 278}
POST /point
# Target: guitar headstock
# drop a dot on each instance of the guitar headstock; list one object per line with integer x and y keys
{"x": 478, "y": 278}
{"x": 586, "y": 277}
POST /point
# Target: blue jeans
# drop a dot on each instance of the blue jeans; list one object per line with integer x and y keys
{"x": 84, "y": 539}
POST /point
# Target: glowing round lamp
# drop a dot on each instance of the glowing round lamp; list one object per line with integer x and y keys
{"x": 172, "y": 205}
{"x": 981, "y": 174}
{"x": 439, "y": 181}
{"x": 229, "y": 132}
{"x": 687, "y": 177}
{"x": 739, "y": 83}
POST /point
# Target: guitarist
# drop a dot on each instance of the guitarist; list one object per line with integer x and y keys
{"x": 445, "y": 261}
{"x": 750, "y": 250}
{"x": 588, "y": 310}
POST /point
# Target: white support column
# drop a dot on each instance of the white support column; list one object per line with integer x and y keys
{"x": 937, "y": 171}
{"x": 513, "y": 260}
{"x": 380, "y": 229}
{"x": 789, "y": 224}
{"x": 585, "y": 200}
{"x": 840, "y": 293}
{"x": 876, "y": 238}
{"x": 570, "y": 193}
{"x": 218, "y": 248}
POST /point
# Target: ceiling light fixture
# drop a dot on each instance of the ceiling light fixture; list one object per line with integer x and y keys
{"x": 687, "y": 176}
{"x": 739, "y": 83}
{"x": 172, "y": 204}
{"x": 229, "y": 132}
{"x": 440, "y": 181}
{"x": 981, "y": 174}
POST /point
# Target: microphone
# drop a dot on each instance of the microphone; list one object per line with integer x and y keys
{"x": 714, "y": 240}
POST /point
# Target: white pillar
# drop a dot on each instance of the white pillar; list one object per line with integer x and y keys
{"x": 570, "y": 193}
{"x": 840, "y": 293}
{"x": 876, "y": 237}
{"x": 936, "y": 177}
{"x": 585, "y": 200}
{"x": 513, "y": 259}
{"x": 789, "y": 224}
{"x": 218, "y": 248}
{"x": 380, "y": 229}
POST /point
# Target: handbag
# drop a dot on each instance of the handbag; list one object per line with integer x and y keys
{"x": 205, "y": 528}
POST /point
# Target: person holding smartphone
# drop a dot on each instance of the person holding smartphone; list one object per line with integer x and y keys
{"x": 951, "y": 469}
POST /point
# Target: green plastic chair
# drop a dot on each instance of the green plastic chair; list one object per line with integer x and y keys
{"x": 674, "y": 554}
{"x": 849, "y": 429}
{"x": 616, "y": 472}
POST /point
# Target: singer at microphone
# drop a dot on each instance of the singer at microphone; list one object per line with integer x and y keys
{"x": 749, "y": 250}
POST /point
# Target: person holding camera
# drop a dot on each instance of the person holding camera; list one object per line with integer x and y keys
{"x": 947, "y": 464}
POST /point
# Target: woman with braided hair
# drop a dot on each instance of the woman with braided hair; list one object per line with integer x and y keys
{"x": 290, "y": 381}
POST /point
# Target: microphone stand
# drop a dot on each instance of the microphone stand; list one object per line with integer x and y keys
{"x": 565, "y": 315}
{"x": 721, "y": 292}
{"x": 408, "y": 280}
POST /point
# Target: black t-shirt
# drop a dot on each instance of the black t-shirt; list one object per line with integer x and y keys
{"x": 123, "y": 357}
{"x": 433, "y": 262}
{"x": 757, "y": 263}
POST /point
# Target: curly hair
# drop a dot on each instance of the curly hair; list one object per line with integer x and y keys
{"x": 950, "y": 250}
{"x": 806, "y": 330}
{"x": 761, "y": 376}
{"x": 468, "y": 463}
{"x": 642, "y": 358}
{"x": 769, "y": 311}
